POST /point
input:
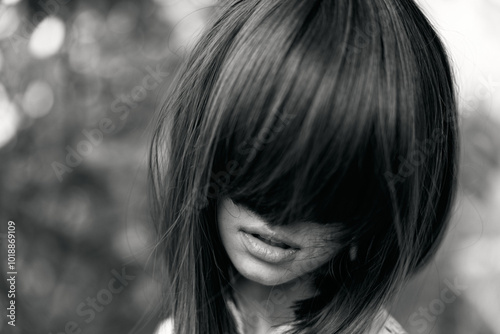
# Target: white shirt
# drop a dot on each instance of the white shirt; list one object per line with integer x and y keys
{"x": 391, "y": 326}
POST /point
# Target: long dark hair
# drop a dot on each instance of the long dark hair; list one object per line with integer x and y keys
{"x": 338, "y": 112}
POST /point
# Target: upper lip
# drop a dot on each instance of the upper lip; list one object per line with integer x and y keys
{"x": 269, "y": 234}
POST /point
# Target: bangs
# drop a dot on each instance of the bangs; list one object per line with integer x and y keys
{"x": 298, "y": 116}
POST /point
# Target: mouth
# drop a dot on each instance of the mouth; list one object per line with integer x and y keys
{"x": 272, "y": 239}
{"x": 268, "y": 247}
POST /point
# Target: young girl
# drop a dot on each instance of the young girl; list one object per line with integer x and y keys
{"x": 304, "y": 167}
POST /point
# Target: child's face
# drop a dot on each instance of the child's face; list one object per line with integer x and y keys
{"x": 272, "y": 255}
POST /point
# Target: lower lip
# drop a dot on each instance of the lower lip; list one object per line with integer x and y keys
{"x": 266, "y": 252}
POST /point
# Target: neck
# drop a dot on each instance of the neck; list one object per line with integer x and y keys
{"x": 263, "y": 307}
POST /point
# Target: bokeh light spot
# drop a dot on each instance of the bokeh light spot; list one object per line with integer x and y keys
{"x": 38, "y": 99}
{"x": 9, "y": 118}
{"x": 10, "y": 2}
{"x": 47, "y": 38}
{"x": 9, "y": 21}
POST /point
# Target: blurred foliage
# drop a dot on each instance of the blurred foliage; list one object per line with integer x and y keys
{"x": 67, "y": 65}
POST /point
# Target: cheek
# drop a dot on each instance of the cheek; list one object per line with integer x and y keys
{"x": 225, "y": 221}
{"x": 227, "y": 236}
{"x": 312, "y": 260}
{"x": 321, "y": 248}
{"x": 228, "y": 219}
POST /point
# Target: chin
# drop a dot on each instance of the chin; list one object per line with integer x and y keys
{"x": 264, "y": 274}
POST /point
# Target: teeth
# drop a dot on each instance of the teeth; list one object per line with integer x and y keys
{"x": 271, "y": 242}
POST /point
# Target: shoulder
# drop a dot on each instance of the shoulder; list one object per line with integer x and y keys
{"x": 165, "y": 327}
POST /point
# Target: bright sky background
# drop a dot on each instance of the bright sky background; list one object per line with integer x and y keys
{"x": 471, "y": 30}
